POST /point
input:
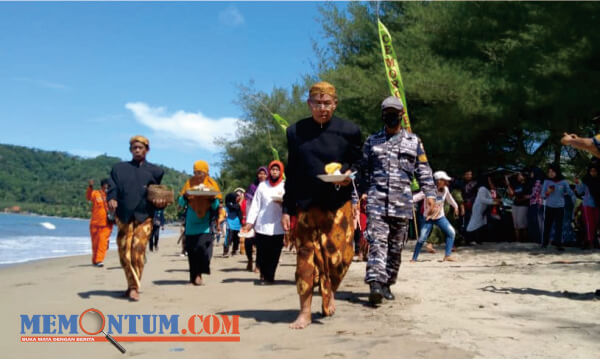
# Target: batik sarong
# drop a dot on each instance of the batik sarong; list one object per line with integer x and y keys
{"x": 131, "y": 240}
{"x": 324, "y": 243}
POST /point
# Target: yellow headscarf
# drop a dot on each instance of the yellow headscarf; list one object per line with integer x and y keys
{"x": 209, "y": 182}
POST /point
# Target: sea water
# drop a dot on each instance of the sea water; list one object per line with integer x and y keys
{"x": 33, "y": 237}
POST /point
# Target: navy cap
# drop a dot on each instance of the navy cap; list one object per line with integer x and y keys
{"x": 392, "y": 102}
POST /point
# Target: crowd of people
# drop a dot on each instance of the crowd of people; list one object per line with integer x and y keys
{"x": 384, "y": 187}
{"x": 523, "y": 206}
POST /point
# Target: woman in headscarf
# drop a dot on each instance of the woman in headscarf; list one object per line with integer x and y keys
{"x": 200, "y": 213}
{"x": 554, "y": 190}
{"x": 261, "y": 175}
{"x": 589, "y": 188}
{"x": 265, "y": 217}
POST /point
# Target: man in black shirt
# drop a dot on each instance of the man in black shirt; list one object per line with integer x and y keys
{"x": 127, "y": 196}
{"x": 325, "y": 216}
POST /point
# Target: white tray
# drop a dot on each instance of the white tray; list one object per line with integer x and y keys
{"x": 202, "y": 193}
{"x": 333, "y": 178}
{"x": 248, "y": 235}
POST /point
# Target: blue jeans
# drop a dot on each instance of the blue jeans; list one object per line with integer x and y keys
{"x": 446, "y": 228}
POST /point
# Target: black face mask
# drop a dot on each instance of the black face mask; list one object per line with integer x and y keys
{"x": 391, "y": 120}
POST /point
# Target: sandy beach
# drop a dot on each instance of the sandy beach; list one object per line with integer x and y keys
{"x": 500, "y": 300}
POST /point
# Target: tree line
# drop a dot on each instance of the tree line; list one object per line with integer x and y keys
{"x": 487, "y": 85}
{"x": 54, "y": 183}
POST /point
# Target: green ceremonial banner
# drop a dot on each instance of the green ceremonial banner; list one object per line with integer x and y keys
{"x": 281, "y": 121}
{"x": 392, "y": 70}
{"x": 275, "y": 153}
{"x": 283, "y": 124}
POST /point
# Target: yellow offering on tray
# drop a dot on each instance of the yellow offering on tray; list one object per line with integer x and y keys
{"x": 333, "y": 168}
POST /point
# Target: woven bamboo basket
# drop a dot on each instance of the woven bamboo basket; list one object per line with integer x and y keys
{"x": 160, "y": 192}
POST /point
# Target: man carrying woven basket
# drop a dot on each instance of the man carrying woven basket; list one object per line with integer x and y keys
{"x": 127, "y": 196}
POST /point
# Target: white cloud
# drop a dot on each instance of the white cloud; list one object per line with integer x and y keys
{"x": 231, "y": 16}
{"x": 183, "y": 128}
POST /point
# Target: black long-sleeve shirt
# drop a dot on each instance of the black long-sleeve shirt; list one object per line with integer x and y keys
{"x": 310, "y": 148}
{"x": 129, "y": 182}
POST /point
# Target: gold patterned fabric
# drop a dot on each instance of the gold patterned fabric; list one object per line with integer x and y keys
{"x": 325, "y": 251}
{"x": 131, "y": 240}
{"x": 322, "y": 88}
{"x": 139, "y": 138}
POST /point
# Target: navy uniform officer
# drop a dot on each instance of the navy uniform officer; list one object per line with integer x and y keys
{"x": 391, "y": 158}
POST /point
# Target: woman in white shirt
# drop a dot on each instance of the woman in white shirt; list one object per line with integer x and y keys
{"x": 439, "y": 219}
{"x": 265, "y": 217}
{"x": 476, "y": 229}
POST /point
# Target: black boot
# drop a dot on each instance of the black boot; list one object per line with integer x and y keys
{"x": 376, "y": 293}
{"x": 387, "y": 293}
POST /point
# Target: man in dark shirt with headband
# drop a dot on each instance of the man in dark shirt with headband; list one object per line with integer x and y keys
{"x": 325, "y": 217}
{"x": 127, "y": 196}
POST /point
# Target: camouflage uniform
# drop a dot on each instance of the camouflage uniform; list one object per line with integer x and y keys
{"x": 387, "y": 169}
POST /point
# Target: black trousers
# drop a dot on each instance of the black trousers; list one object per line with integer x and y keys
{"x": 477, "y": 235}
{"x": 233, "y": 238}
{"x": 356, "y": 241}
{"x": 154, "y": 237}
{"x": 553, "y": 216}
{"x": 199, "y": 248}
{"x": 248, "y": 243}
{"x": 268, "y": 250}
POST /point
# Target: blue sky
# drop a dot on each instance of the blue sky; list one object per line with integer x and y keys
{"x": 84, "y": 77}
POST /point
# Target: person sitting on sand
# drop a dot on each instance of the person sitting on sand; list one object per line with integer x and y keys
{"x": 442, "y": 195}
{"x": 201, "y": 211}
{"x": 127, "y": 196}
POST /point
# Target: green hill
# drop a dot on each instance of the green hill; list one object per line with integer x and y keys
{"x": 54, "y": 183}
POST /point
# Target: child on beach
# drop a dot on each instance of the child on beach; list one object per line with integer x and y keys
{"x": 442, "y": 195}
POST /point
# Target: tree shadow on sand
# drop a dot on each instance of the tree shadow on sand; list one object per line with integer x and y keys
{"x": 590, "y": 296}
{"x": 117, "y": 294}
{"x": 239, "y": 269}
{"x": 272, "y": 316}
{"x": 258, "y": 282}
{"x": 177, "y": 270}
{"x": 171, "y": 282}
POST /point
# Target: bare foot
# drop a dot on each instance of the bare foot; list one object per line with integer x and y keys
{"x": 331, "y": 309}
{"x": 302, "y": 321}
{"x": 430, "y": 248}
{"x": 413, "y": 261}
{"x": 198, "y": 280}
{"x": 134, "y": 295}
{"x": 449, "y": 258}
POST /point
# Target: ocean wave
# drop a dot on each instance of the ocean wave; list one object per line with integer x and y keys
{"x": 27, "y": 248}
